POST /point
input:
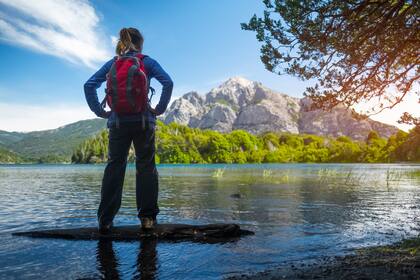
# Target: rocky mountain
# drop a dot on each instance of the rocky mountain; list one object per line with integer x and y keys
{"x": 242, "y": 104}
{"x": 59, "y": 142}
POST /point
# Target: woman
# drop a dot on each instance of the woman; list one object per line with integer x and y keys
{"x": 125, "y": 129}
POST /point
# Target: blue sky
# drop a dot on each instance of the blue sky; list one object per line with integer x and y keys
{"x": 49, "y": 49}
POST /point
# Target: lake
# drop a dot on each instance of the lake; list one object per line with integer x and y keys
{"x": 299, "y": 212}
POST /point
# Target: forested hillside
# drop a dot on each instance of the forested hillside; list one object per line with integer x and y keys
{"x": 7, "y": 156}
{"x": 182, "y": 144}
{"x": 54, "y": 145}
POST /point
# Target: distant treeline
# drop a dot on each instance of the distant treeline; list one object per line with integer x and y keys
{"x": 7, "y": 156}
{"x": 181, "y": 144}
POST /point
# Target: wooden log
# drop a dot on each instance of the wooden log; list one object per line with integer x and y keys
{"x": 200, "y": 233}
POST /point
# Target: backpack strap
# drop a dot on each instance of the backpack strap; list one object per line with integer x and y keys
{"x": 138, "y": 62}
{"x": 108, "y": 75}
{"x": 141, "y": 57}
{"x": 129, "y": 85}
{"x": 153, "y": 92}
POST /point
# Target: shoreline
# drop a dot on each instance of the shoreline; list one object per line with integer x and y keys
{"x": 223, "y": 163}
{"x": 400, "y": 260}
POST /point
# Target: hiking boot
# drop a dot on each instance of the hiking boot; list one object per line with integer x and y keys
{"x": 147, "y": 222}
{"x": 105, "y": 228}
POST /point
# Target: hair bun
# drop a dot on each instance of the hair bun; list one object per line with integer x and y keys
{"x": 130, "y": 38}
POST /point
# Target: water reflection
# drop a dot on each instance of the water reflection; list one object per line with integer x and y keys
{"x": 147, "y": 259}
{"x": 107, "y": 260}
{"x": 146, "y": 263}
{"x": 298, "y": 212}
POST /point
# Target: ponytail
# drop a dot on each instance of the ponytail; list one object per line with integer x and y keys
{"x": 130, "y": 39}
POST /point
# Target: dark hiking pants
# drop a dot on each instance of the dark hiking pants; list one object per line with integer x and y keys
{"x": 120, "y": 140}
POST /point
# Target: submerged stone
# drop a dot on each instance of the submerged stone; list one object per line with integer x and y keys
{"x": 202, "y": 233}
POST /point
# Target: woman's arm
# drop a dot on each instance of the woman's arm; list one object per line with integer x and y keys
{"x": 156, "y": 71}
{"x": 92, "y": 85}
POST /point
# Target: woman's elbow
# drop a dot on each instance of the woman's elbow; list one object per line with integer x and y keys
{"x": 169, "y": 84}
{"x": 87, "y": 86}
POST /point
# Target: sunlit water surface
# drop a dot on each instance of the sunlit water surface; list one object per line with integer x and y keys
{"x": 298, "y": 213}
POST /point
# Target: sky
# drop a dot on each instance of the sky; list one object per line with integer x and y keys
{"x": 49, "y": 48}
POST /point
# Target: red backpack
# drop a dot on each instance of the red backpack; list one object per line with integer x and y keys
{"x": 127, "y": 85}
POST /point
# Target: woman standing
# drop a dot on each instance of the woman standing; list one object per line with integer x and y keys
{"x": 133, "y": 125}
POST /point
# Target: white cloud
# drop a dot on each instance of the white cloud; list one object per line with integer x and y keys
{"x": 17, "y": 117}
{"x": 68, "y": 29}
{"x": 114, "y": 40}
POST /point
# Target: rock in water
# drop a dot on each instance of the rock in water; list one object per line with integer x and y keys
{"x": 201, "y": 233}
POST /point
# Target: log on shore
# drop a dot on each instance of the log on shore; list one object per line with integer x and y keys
{"x": 201, "y": 233}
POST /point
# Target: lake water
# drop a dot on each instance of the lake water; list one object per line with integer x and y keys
{"x": 299, "y": 212}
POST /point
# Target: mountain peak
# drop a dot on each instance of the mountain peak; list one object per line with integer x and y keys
{"x": 191, "y": 94}
{"x": 238, "y": 80}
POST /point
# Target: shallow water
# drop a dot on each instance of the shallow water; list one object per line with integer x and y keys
{"x": 299, "y": 212}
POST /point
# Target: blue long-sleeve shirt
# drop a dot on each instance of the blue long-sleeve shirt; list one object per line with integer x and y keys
{"x": 153, "y": 70}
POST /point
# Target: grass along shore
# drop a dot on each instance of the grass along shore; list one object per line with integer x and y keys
{"x": 397, "y": 261}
